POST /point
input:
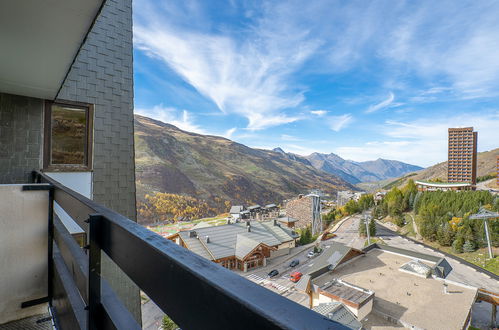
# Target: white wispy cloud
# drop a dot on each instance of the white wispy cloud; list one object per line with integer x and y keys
{"x": 381, "y": 105}
{"x": 337, "y": 123}
{"x": 249, "y": 77}
{"x": 228, "y": 134}
{"x": 319, "y": 113}
{"x": 182, "y": 119}
{"x": 423, "y": 141}
{"x": 462, "y": 46}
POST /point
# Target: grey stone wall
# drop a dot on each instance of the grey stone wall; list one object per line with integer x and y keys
{"x": 300, "y": 209}
{"x": 20, "y": 137}
{"x": 103, "y": 75}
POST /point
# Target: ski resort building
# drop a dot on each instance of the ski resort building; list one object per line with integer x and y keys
{"x": 242, "y": 246}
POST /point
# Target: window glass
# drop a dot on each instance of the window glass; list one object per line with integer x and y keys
{"x": 69, "y": 135}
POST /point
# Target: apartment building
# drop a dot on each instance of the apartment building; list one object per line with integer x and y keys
{"x": 462, "y": 156}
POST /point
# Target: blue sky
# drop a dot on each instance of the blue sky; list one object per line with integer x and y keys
{"x": 361, "y": 79}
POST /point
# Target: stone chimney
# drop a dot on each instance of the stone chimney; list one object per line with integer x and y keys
{"x": 207, "y": 239}
{"x": 249, "y": 229}
{"x": 275, "y": 222}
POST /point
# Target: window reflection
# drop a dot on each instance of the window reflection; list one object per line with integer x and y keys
{"x": 68, "y": 143}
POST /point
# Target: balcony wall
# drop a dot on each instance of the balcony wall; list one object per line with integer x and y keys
{"x": 20, "y": 137}
{"x": 23, "y": 251}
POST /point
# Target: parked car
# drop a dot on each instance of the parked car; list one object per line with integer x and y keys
{"x": 294, "y": 263}
{"x": 295, "y": 276}
{"x": 273, "y": 273}
{"x": 311, "y": 254}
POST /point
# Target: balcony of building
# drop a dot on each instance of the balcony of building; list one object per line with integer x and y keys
{"x": 48, "y": 270}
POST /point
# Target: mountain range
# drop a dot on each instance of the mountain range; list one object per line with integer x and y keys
{"x": 214, "y": 169}
{"x": 211, "y": 167}
{"x": 355, "y": 172}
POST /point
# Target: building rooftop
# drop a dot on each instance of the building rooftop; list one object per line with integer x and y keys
{"x": 336, "y": 311}
{"x": 287, "y": 219}
{"x": 346, "y": 292}
{"x": 332, "y": 255}
{"x": 444, "y": 184}
{"x": 224, "y": 241}
{"x": 414, "y": 300}
{"x": 235, "y": 209}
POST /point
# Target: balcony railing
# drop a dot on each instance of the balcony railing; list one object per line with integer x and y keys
{"x": 196, "y": 293}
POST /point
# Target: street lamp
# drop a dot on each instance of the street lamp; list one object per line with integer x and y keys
{"x": 366, "y": 220}
{"x": 485, "y": 215}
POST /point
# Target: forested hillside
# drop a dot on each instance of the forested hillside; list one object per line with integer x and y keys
{"x": 443, "y": 216}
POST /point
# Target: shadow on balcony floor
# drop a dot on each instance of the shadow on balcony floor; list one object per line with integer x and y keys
{"x": 37, "y": 322}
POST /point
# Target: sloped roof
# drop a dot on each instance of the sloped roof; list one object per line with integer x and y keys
{"x": 332, "y": 254}
{"x": 196, "y": 246}
{"x": 223, "y": 239}
{"x": 235, "y": 209}
{"x": 254, "y": 207}
{"x": 245, "y": 245}
{"x": 347, "y": 291}
{"x": 336, "y": 311}
{"x": 282, "y": 234}
{"x": 303, "y": 284}
{"x": 270, "y": 206}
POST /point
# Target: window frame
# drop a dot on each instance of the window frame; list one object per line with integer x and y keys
{"x": 47, "y": 144}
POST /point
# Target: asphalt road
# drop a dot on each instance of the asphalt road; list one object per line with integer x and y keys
{"x": 348, "y": 233}
{"x": 281, "y": 283}
{"x": 460, "y": 273}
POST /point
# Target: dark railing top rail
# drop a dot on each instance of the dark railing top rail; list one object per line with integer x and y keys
{"x": 195, "y": 292}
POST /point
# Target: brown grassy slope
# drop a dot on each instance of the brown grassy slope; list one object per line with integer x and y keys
{"x": 171, "y": 160}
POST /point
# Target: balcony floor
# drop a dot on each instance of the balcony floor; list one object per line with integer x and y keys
{"x": 37, "y": 322}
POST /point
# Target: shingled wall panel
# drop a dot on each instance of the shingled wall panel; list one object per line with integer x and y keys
{"x": 20, "y": 137}
{"x": 102, "y": 74}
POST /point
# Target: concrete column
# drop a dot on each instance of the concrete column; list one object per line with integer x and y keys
{"x": 264, "y": 261}
{"x": 245, "y": 267}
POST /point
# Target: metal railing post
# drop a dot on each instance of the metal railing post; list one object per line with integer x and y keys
{"x": 94, "y": 273}
{"x": 50, "y": 246}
